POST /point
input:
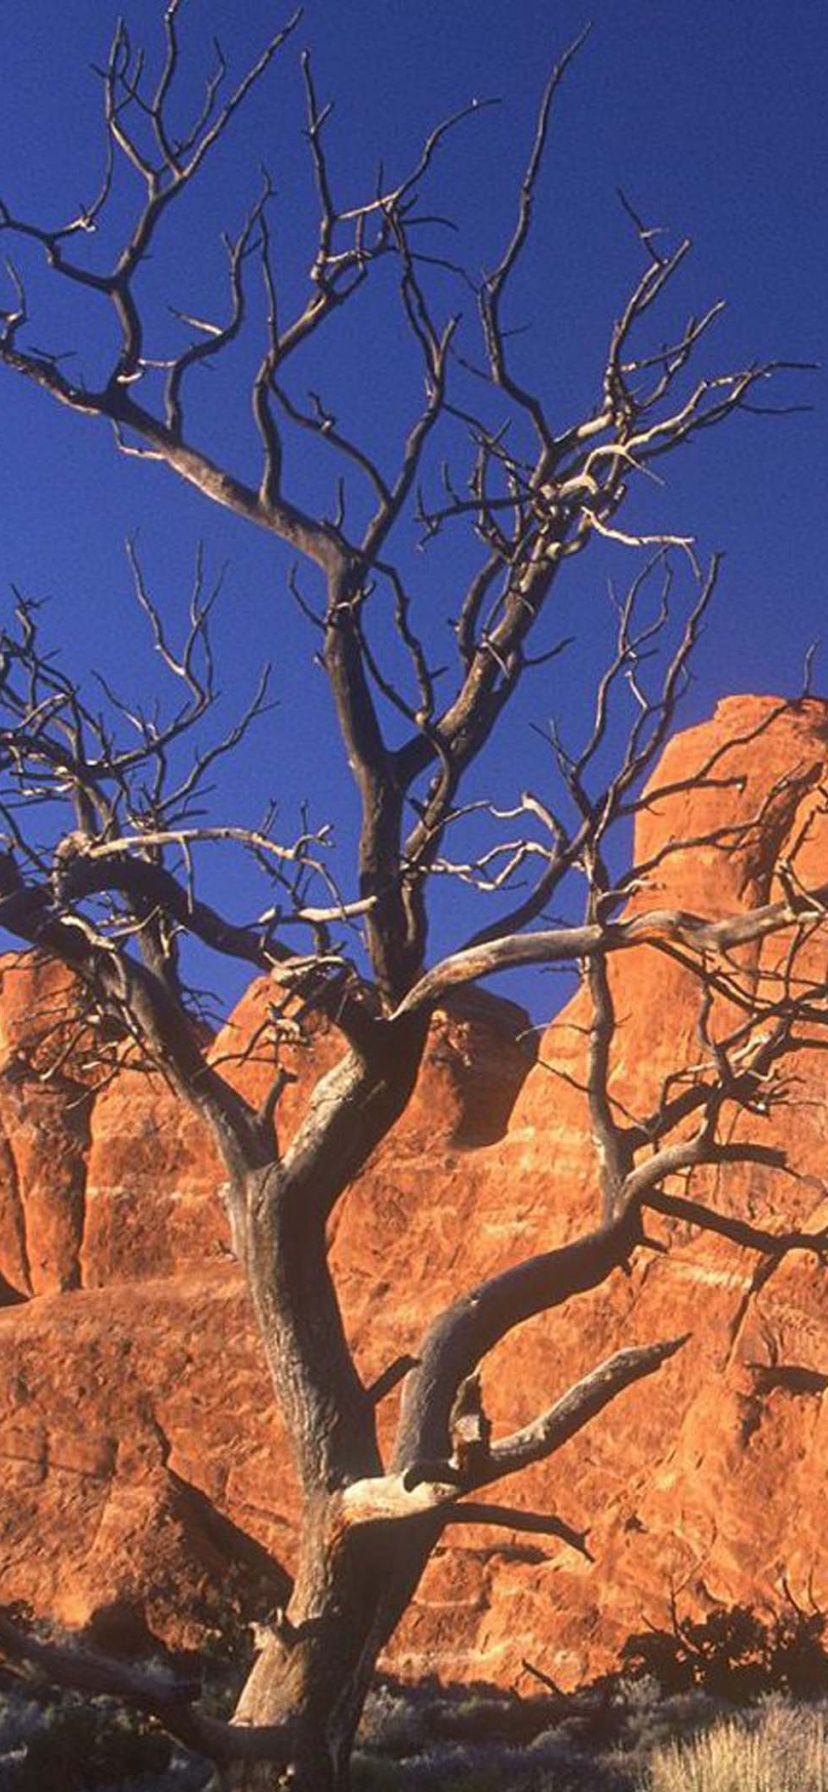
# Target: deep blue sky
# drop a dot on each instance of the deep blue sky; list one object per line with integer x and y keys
{"x": 711, "y": 116}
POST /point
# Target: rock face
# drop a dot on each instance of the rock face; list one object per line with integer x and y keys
{"x": 142, "y": 1462}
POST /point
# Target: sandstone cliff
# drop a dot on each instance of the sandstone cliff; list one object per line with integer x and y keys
{"x": 141, "y": 1458}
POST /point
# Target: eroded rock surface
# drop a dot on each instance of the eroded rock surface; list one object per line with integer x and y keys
{"x": 141, "y": 1459}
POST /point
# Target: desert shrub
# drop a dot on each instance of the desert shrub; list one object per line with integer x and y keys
{"x": 76, "y": 1747}
{"x": 783, "y": 1748}
{"x": 653, "y": 1722}
{"x": 396, "y": 1720}
{"x": 432, "y": 1738}
{"x": 375, "y": 1776}
{"x": 549, "y": 1764}
{"x": 735, "y": 1654}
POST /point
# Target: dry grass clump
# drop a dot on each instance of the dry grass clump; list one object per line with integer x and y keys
{"x": 782, "y": 1748}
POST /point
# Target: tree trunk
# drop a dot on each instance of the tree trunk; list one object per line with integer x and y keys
{"x": 354, "y": 1579}
{"x": 353, "y": 1585}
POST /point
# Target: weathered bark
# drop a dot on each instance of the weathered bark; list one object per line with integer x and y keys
{"x": 353, "y": 1581}
{"x": 280, "y": 1217}
{"x": 353, "y": 1584}
{"x": 357, "y": 1574}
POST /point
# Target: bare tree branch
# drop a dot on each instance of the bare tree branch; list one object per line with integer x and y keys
{"x": 578, "y": 1406}
{"x": 168, "y": 1700}
{"x": 515, "y": 1518}
{"x": 108, "y": 817}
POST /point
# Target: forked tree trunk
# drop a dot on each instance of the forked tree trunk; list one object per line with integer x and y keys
{"x": 353, "y": 1581}
{"x": 351, "y": 1590}
{"x": 361, "y": 1557}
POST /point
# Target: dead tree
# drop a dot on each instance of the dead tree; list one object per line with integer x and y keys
{"x": 104, "y": 832}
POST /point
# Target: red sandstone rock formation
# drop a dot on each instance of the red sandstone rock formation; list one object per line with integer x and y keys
{"x": 141, "y": 1458}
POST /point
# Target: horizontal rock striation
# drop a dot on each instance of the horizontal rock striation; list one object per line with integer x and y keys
{"x": 141, "y": 1464}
